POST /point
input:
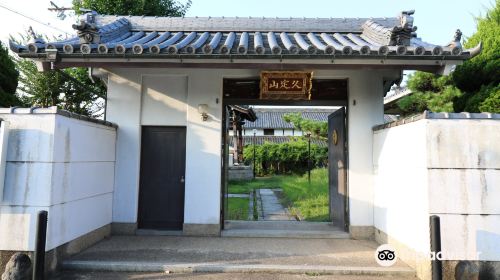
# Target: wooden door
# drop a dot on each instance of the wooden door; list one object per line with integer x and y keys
{"x": 337, "y": 159}
{"x": 161, "y": 191}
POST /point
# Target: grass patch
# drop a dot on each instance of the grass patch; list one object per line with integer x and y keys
{"x": 310, "y": 202}
{"x": 237, "y": 208}
{"x": 245, "y": 187}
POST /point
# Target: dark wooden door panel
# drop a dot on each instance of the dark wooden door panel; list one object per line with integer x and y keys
{"x": 161, "y": 191}
{"x": 337, "y": 159}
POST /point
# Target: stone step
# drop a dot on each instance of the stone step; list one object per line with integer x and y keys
{"x": 138, "y": 266}
{"x": 270, "y": 233}
{"x": 282, "y": 225}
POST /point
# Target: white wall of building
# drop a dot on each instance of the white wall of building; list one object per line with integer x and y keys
{"x": 4, "y": 140}
{"x": 137, "y": 97}
{"x": 365, "y": 110}
{"x": 59, "y": 164}
{"x": 444, "y": 167}
{"x": 289, "y": 132}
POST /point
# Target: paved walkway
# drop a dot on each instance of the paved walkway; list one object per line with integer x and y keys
{"x": 272, "y": 210}
{"x": 234, "y": 255}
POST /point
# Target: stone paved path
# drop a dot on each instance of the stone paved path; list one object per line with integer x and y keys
{"x": 272, "y": 210}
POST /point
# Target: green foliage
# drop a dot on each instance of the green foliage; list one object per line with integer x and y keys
{"x": 70, "y": 89}
{"x": 304, "y": 200}
{"x": 483, "y": 69}
{"x": 290, "y": 157}
{"x": 318, "y": 129}
{"x": 473, "y": 86}
{"x": 307, "y": 201}
{"x": 245, "y": 187}
{"x": 237, "y": 208}
{"x": 492, "y": 102}
{"x": 429, "y": 92}
{"x": 134, "y": 7}
{"x": 8, "y": 79}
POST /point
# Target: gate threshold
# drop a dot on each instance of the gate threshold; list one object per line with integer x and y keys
{"x": 282, "y": 229}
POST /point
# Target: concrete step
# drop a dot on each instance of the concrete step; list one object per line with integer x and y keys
{"x": 282, "y": 229}
{"x": 270, "y": 233}
{"x": 137, "y": 266}
{"x": 281, "y": 225}
{"x": 243, "y": 255}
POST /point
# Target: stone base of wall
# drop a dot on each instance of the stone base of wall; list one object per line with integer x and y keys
{"x": 240, "y": 172}
{"x": 201, "y": 229}
{"x": 471, "y": 270}
{"x": 54, "y": 257}
{"x": 361, "y": 232}
{"x": 419, "y": 262}
{"x": 123, "y": 228}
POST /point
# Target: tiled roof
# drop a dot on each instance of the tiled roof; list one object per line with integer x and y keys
{"x": 115, "y": 36}
{"x": 259, "y": 140}
{"x": 273, "y": 118}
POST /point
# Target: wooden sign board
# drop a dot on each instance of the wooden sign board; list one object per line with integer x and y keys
{"x": 278, "y": 85}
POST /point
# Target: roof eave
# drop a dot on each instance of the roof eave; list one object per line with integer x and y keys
{"x": 435, "y": 64}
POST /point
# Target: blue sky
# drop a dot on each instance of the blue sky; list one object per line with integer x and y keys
{"x": 436, "y": 20}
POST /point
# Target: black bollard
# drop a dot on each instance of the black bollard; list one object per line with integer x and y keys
{"x": 39, "y": 258}
{"x": 437, "y": 268}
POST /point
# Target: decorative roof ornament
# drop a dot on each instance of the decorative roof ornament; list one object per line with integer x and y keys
{"x": 35, "y": 41}
{"x": 401, "y": 35}
{"x": 87, "y": 29}
{"x": 456, "y": 45}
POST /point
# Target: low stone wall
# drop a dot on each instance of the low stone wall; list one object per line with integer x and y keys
{"x": 439, "y": 164}
{"x": 240, "y": 172}
{"x": 61, "y": 163}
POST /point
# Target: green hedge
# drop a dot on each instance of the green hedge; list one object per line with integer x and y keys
{"x": 285, "y": 158}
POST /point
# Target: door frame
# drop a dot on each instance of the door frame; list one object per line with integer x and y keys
{"x": 317, "y": 103}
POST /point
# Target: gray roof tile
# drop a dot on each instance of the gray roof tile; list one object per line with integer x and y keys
{"x": 215, "y": 37}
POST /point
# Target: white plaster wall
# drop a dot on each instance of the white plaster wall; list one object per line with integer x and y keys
{"x": 278, "y": 132}
{"x": 128, "y": 106}
{"x": 366, "y": 109}
{"x": 401, "y": 195}
{"x": 203, "y": 153}
{"x": 449, "y": 168}
{"x": 164, "y": 100}
{"x": 58, "y": 164}
{"x": 288, "y": 132}
{"x": 464, "y": 186}
{"x": 4, "y": 134}
{"x": 249, "y": 132}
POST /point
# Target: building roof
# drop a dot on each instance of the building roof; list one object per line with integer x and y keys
{"x": 272, "y": 118}
{"x": 259, "y": 140}
{"x": 134, "y": 37}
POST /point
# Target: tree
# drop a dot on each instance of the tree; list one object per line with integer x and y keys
{"x": 318, "y": 129}
{"x": 8, "y": 79}
{"x": 159, "y": 8}
{"x": 479, "y": 77}
{"x": 70, "y": 89}
{"x": 473, "y": 86}
{"x": 429, "y": 92}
